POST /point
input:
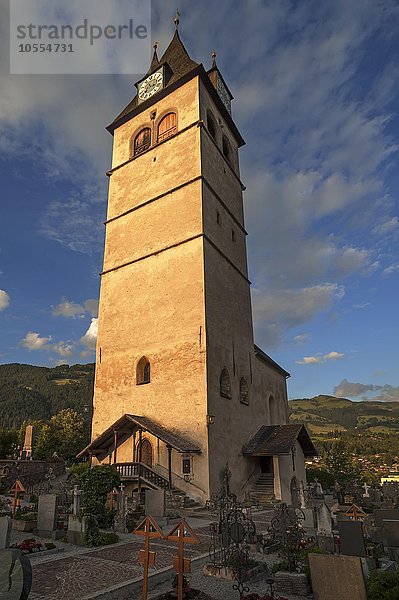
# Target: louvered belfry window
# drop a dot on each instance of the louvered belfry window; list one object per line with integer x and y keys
{"x": 142, "y": 141}
{"x": 167, "y": 126}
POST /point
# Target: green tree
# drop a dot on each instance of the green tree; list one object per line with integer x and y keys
{"x": 340, "y": 464}
{"x": 63, "y": 435}
{"x": 8, "y": 442}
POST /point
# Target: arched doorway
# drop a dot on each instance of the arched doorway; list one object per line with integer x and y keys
{"x": 295, "y": 497}
{"x": 146, "y": 452}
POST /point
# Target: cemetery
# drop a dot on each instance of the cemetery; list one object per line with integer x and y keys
{"x": 230, "y": 548}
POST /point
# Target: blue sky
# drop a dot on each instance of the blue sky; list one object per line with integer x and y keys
{"x": 316, "y": 98}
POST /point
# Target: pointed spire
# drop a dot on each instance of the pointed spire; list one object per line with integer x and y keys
{"x": 155, "y": 59}
{"x": 214, "y": 58}
{"x": 177, "y": 19}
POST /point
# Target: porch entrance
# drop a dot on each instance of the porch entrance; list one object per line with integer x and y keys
{"x": 266, "y": 465}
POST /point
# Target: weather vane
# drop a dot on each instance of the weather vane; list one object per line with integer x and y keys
{"x": 177, "y": 19}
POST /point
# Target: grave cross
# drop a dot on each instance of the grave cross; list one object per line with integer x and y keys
{"x": 183, "y": 534}
{"x": 366, "y": 490}
{"x": 17, "y": 489}
{"x": 355, "y": 513}
{"x": 150, "y": 529}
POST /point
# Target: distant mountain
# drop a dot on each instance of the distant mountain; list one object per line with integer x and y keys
{"x": 35, "y": 393}
{"x": 323, "y": 414}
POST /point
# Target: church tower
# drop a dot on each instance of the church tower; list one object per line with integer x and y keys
{"x": 180, "y": 387}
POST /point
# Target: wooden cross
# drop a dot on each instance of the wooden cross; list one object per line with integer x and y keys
{"x": 151, "y": 530}
{"x": 183, "y": 534}
{"x": 355, "y": 513}
{"x": 16, "y": 489}
{"x": 112, "y": 496}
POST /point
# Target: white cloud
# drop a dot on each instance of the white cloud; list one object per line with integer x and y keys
{"x": 391, "y": 269}
{"x": 63, "y": 348}
{"x": 320, "y": 358}
{"x": 90, "y": 337}
{"x": 66, "y": 308}
{"x": 4, "y": 300}
{"x": 92, "y": 307}
{"x": 301, "y": 338}
{"x": 334, "y": 356}
{"x": 378, "y": 393}
{"x": 34, "y": 341}
{"x": 361, "y": 305}
{"x": 391, "y": 225}
{"x": 279, "y": 310}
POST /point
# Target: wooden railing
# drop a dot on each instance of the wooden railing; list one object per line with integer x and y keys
{"x": 134, "y": 470}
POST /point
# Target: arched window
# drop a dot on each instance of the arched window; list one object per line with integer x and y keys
{"x": 226, "y": 148}
{"x": 211, "y": 124}
{"x": 167, "y": 126}
{"x": 225, "y": 384}
{"x": 244, "y": 392}
{"x": 143, "y": 371}
{"x": 142, "y": 141}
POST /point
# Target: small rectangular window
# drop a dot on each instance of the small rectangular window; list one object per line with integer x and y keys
{"x": 186, "y": 466}
{"x": 218, "y": 218}
{"x": 233, "y": 235}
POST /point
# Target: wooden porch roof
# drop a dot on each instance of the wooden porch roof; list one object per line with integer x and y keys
{"x": 125, "y": 427}
{"x": 272, "y": 440}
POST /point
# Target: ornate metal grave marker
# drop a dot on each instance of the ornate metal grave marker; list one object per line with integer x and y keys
{"x": 150, "y": 529}
{"x": 231, "y": 534}
{"x": 285, "y": 529}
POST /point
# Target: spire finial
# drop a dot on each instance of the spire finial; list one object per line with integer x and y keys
{"x": 177, "y": 19}
{"x": 155, "y": 46}
{"x": 214, "y": 58}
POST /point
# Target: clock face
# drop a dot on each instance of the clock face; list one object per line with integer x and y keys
{"x": 150, "y": 86}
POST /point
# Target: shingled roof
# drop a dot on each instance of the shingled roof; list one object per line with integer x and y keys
{"x": 125, "y": 427}
{"x": 177, "y": 59}
{"x": 272, "y": 440}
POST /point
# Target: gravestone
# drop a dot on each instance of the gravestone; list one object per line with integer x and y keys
{"x": 155, "y": 503}
{"x": 319, "y": 490}
{"x": 381, "y": 514}
{"x": 15, "y": 575}
{"x": 77, "y": 497}
{"x": 47, "y": 513}
{"x": 76, "y": 533}
{"x": 337, "y": 577}
{"x": 310, "y": 518}
{"x": 375, "y": 496}
{"x": 391, "y": 530}
{"x": 326, "y": 543}
{"x": 352, "y": 538}
{"x": 5, "y": 532}
{"x": 324, "y": 521}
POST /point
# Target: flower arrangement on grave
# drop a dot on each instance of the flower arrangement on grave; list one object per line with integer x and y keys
{"x": 30, "y": 546}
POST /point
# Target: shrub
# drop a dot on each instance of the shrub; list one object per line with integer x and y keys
{"x": 96, "y": 484}
{"x": 109, "y": 537}
{"x": 383, "y": 586}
